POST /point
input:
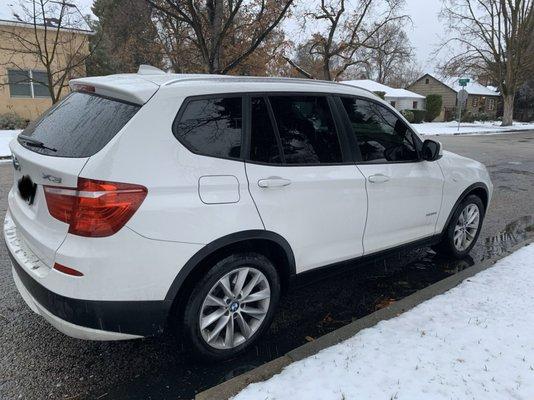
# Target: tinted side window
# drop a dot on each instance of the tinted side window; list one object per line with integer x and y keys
{"x": 263, "y": 143}
{"x": 381, "y": 135}
{"x": 307, "y": 130}
{"x": 212, "y": 127}
{"x": 80, "y": 125}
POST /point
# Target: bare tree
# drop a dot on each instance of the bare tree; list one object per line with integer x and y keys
{"x": 492, "y": 38}
{"x": 47, "y": 36}
{"x": 345, "y": 29}
{"x": 221, "y": 33}
{"x": 389, "y": 53}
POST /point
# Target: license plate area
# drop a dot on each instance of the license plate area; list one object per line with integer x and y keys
{"x": 27, "y": 189}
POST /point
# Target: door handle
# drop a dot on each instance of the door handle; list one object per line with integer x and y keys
{"x": 378, "y": 178}
{"x": 273, "y": 182}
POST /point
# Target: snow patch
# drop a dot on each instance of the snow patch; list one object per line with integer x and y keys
{"x": 5, "y": 138}
{"x": 451, "y": 128}
{"x": 473, "y": 342}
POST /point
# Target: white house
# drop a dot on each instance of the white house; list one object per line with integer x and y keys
{"x": 401, "y": 99}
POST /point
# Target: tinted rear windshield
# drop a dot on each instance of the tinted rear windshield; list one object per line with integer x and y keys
{"x": 78, "y": 126}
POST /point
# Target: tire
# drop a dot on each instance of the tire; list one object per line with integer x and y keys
{"x": 226, "y": 308}
{"x": 451, "y": 244}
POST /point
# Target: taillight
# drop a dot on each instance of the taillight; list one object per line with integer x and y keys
{"x": 94, "y": 208}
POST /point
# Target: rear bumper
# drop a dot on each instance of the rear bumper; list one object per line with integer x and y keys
{"x": 90, "y": 319}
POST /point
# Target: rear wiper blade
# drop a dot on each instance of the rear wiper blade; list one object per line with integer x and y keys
{"x": 35, "y": 143}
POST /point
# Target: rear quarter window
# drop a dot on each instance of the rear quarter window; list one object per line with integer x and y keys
{"x": 79, "y": 126}
{"x": 211, "y": 126}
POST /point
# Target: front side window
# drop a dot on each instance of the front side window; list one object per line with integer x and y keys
{"x": 381, "y": 135}
{"x": 212, "y": 127}
{"x": 307, "y": 130}
{"x": 28, "y": 83}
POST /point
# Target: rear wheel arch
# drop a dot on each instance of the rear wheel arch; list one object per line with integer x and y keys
{"x": 267, "y": 243}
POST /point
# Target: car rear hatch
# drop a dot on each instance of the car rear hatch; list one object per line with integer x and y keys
{"x": 52, "y": 151}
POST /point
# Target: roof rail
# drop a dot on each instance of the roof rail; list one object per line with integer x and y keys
{"x": 145, "y": 69}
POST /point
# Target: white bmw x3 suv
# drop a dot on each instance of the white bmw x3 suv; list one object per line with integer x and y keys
{"x": 142, "y": 199}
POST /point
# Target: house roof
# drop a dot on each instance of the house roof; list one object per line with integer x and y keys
{"x": 379, "y": 87}
{"x": 473, "y": 87}
{"x": 20, "y": 12}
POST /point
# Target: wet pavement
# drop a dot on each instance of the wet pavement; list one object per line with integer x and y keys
{"x": 38, "y": 362}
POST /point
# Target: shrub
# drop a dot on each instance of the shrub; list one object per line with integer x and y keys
{"x": 12, "y": 121}
{"x": 418, "y": 116}
{"x": 433, "y": 106}
{"x": 408, "y": 115}
{"x": 382, "y": 95}
{"x": 468, "y": 117}
{"x": 482, "y": 117}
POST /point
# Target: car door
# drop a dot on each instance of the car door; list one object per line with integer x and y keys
{"x": 304, "y": 183}
{"x": 404, "y": 192}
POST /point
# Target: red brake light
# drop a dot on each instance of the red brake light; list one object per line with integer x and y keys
{"x": 94, "y": 208}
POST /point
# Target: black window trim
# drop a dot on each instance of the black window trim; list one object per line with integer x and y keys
{"x": 343, "y": 134}
{"x": 358, "y": 157}
{"x": 248, "y": 132}
{"x": 347, "y": 139}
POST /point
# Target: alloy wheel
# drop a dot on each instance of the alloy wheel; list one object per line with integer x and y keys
{"x": 234, "y": 308}
{"x": 466, "y": 227}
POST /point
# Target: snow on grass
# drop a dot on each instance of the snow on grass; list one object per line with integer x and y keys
{"x": 5, "y": 138}
{"x": 475, "y": 341}
{"x": 451, "y": 128}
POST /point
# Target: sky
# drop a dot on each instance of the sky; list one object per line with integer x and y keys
{"x": 426, "y": 31}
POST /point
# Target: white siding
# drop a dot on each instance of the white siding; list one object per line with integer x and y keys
{"x": 403, "y": 103}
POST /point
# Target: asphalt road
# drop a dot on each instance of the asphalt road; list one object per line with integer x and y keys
{"x": 37, "y": 362}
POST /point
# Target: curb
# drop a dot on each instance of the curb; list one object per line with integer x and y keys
{"x": 233, "y": 386}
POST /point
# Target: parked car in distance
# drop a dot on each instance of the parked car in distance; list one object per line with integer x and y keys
{"x": 150, "y": 198}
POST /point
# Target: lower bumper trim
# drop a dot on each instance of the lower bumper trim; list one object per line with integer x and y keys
{"x": 135, "y": 318}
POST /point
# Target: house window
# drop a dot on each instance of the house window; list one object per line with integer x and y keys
{"x": 427, "y": 81}
{"x": 414, "y": 105}
{"x": 393, "y": 103}
{"x": 475, "y": 101}
{"x": 27, "y": 83}
{"x": 491, "y": 104}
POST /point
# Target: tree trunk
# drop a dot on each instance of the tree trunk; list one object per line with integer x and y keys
{"x": 326, "y": 69}
{"x": 215, "y": 15}
{"x": 508, "y": 110}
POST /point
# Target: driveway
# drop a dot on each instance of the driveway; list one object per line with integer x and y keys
{"x": 37, "y": 362}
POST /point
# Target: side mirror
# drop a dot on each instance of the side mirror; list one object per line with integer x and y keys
{"x": 432, "y": 150}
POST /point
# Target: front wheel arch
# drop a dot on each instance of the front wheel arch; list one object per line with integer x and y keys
{"x": 479, "y": 189}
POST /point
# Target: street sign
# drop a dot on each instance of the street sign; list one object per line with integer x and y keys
{"x": 462, "y": 96}
{"x": 463, "y": 81}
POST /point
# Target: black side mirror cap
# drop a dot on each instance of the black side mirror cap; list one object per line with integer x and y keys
{"x": 432, "y": 150}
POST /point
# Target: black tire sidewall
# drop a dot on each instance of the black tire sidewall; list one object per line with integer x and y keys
{"x": 449, "y": 238}
{"x": 191, "y": 328}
